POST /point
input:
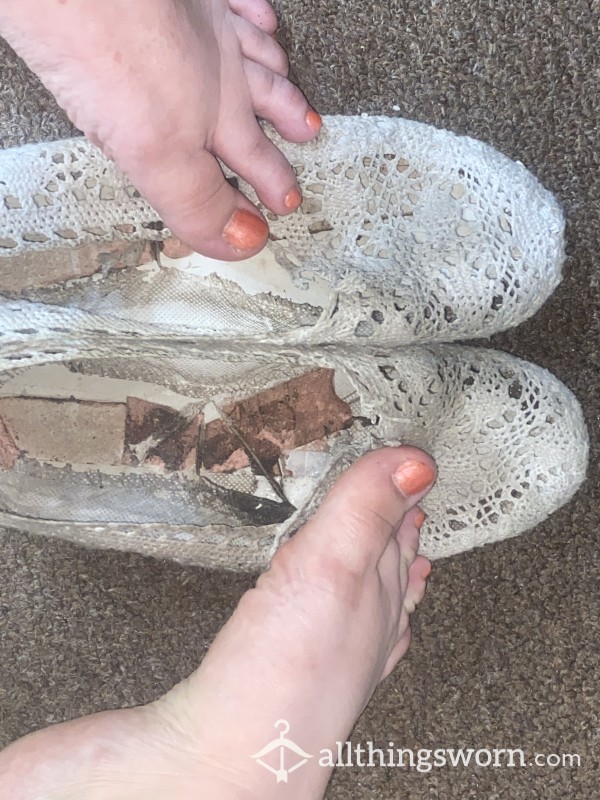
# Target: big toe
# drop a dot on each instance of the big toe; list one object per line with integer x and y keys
{"x": 366, "y": 507}
{"x": 197, "y": 203}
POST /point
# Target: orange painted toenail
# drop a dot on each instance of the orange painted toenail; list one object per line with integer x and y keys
{"x": 313, "y": 120}
{"x": 245, "y": 230}
{"x": 292, "y": 199}
{"x": 420, "y": 518}
{"x": 413, "y": 477}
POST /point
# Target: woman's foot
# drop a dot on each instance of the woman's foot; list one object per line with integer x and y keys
{"x": 167, "y": 86}
{"x": 308, "y": 645}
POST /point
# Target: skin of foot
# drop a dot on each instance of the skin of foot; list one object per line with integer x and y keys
{"x": 165, "y": 87}
{"x": 323, "y": 626}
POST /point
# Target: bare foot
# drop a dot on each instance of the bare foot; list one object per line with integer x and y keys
{"x": 308, "y": 644}
{"x": 165, "y": 87}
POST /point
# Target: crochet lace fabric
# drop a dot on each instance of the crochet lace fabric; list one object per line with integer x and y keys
{"x": 413, "y": 236}
{"x": 447, "y": 237}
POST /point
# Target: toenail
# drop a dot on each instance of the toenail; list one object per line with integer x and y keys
{"x": 245, "y": 230}
{"x": 313, "y": 120}
{"x": 413, "y": 477}
{"x": 292, "y": 199}
{"x": 426, "y": 570}
{"x": 420, "y": 518}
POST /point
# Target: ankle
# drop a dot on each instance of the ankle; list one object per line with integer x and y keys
{"x": 219, "y": 767}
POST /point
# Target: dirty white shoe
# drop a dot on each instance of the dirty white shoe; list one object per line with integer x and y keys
{"x": 207, "y": 451}
{"x": 408, "y": 234}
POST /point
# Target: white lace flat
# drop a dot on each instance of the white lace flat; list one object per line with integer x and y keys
{"x": 416, "y": 234}
{"x": 509, "y": 439}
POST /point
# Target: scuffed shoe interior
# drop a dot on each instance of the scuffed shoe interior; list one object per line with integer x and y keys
{"x": 221, "y": 477}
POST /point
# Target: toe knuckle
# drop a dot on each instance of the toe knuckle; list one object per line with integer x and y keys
{"x": 282, "y": 62}
{"x": 293, "y": 97}
{"x": 254, "y": 146}
{"x": 147, "y": 147}
{"x": 270, "y": 83}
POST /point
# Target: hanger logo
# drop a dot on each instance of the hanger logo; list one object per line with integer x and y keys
{"x": 289, "y": 757}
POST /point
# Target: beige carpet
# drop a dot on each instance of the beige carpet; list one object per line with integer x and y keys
{"x": 506, "y": 650}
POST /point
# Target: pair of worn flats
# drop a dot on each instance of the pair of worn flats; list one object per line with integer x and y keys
{"x": 157, "y": 401}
